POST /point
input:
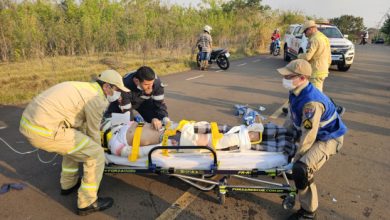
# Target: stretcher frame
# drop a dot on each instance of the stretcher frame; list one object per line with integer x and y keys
{"x": 221, "y": 187}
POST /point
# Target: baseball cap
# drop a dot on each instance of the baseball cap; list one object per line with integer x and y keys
{"x": 298, "y": 66}
{"x": 308, "y": 24}
{"x": 114, "y": 78}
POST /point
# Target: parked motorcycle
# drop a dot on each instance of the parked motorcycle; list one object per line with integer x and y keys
{"x": 220, "y": 56}
{"x": 275, "y": 47}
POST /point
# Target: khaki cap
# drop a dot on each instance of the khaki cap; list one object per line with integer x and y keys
{"x": 308, "y": 24}
{"x": 298, "y": 66}
{"x": 114, "y": 78}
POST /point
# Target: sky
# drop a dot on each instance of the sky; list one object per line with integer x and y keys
{"x": 372, "y": 11}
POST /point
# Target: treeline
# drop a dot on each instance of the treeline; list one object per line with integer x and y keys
{"x": 39, "y": 28}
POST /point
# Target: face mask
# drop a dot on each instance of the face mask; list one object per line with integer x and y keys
{"x": 115, "y": 96}
{"x": 288, "y": 84}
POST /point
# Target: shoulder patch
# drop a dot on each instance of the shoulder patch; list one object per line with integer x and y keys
{"x": 307, "y": 124}
{"x": 309, "y": 112}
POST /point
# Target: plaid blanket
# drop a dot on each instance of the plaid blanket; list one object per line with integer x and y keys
{"x": 277, "y": 139}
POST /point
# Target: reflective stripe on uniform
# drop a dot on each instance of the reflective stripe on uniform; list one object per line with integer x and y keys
{"x": 144, "y": 97}
{"x": 70, "y": 170}
{"x": 84, "y": 142}
{"x": 89, "y": 186}
{"x": 158, "y": 97}
{"x": 325, "y": 123}
{"x": 26, "y": 124}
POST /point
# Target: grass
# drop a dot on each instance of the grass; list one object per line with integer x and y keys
{"x": 21, "y": 81}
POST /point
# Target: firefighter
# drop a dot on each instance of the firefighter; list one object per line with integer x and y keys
{"x": 319, "y": 56}
{"x": 321, "y": 129}
{"x": 65, "y": 119}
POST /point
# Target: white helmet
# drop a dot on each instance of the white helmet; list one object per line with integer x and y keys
{"x": 207, "y": 28}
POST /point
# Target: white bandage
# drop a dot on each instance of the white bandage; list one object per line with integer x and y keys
{"x": 188, "y": 136}
{"x": 228, "y": 140}
{"x": 243, "y": 137}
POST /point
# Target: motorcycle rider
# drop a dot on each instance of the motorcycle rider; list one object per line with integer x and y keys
{"x": 275, "y": 36}
{"x": 204, "y": 44}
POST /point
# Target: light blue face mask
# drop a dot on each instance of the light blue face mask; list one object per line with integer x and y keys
{"x": 115, "y": 96}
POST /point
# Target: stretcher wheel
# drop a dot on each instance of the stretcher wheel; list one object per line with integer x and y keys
{"x": 221, "y": 198}
{"x": 288, "y": 202}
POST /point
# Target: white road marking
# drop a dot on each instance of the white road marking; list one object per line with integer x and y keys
{"x": 279, "y": 111}
{"x": 217, "y": 71}
{"x": 255, "y": 61}
{"x": 195, "y": 77}
{"x": 179, "y": 205}
{"x": 242, "y": 64}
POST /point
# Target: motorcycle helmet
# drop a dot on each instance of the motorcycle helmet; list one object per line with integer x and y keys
{"x": 207, "y": 28}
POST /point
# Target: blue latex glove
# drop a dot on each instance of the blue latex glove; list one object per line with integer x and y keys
{"x": 139, "y": 119}
{"x": 289, "y": 166}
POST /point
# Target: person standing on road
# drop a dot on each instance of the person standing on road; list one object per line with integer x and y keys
{"x": 146, "y": 99}
{"x": 205, "y": 44}
{"x": 65, "y": 119}
{"x": 321, "y": 130}
{"x": 319, "y": 56}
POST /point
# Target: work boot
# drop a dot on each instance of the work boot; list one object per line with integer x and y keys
{"x": 302, "y": 214}
{"x": 99, "y": 205}
{"x": 340, "y": 110}
{"x": 66, "y": 192}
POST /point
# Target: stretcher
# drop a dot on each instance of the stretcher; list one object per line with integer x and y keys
{"x": 196, "y": 168}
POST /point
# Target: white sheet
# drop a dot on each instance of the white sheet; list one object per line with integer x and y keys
{"x": 247, "y": 160}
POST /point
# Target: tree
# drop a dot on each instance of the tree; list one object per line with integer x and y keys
{"x": 349, "y": 24}
{"x": 386, "y": 29}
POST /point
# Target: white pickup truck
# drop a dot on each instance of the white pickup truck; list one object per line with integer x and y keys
{"x": 343, "y": 50}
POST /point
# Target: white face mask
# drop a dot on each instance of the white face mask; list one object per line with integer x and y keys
{"x": 288, "y": 84}
{"x": 115, "y": 96}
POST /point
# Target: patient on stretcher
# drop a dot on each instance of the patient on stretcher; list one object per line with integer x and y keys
{"x": 185, "y": 133}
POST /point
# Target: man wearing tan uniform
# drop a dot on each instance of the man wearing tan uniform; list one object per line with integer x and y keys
{"x": 319, "y": 56}
{"x": 65, "y": 119}
{"x": 322, "y": 131}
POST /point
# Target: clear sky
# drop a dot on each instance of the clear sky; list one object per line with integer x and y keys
{"x": 372, "y": 11}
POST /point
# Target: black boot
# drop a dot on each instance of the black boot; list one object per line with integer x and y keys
{"x": 302, "y": 214}
{"x": 99, "y": 205}
{"x": 285, "y": 110}
{"x": 66, "y": 192}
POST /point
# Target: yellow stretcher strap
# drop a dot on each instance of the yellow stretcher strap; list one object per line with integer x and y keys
{"x": 260, "y": 139}
{"x": 133, "y": 156}
{"x": 215, "y": 134}
{"x": 170, "y": 132}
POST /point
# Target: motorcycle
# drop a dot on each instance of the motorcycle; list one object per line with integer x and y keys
{"x": 220, "y": 56}
{"x": 275, "y": 47}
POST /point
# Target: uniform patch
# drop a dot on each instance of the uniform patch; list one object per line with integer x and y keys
{"x": 309, "y": 112}
{"x": 307, "y": 124}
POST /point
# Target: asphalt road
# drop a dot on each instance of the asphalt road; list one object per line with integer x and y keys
{"x": 352, "y": 184}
